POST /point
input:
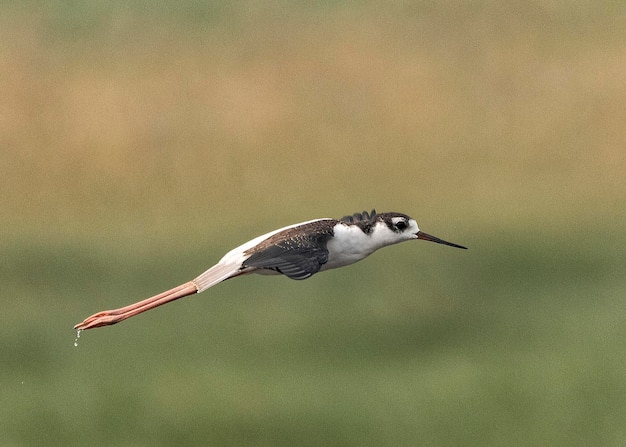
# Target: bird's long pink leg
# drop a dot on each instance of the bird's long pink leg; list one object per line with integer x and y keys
{"x": 108, "y": 317}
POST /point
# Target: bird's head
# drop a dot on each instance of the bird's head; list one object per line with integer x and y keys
{"x": 397, "y": 227}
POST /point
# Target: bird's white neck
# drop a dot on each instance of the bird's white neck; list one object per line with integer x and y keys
{"x": 350, "y": 244}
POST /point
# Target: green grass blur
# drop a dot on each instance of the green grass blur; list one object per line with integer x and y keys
{"x": 139, "y": 142}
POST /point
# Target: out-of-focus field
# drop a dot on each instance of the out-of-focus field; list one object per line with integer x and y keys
{"x": 140, "y": 142}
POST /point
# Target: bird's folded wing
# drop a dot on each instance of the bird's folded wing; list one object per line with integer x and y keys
{"x": 294, "y": 262}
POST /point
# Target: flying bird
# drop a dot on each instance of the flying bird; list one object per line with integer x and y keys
{"x": 297, "y": 251}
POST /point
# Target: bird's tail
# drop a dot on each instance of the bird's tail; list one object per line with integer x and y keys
{"x": 216, "y": 274}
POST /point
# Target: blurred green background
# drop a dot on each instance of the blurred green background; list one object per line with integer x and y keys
{"x": 139, "y": 142}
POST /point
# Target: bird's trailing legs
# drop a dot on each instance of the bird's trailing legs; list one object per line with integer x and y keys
{"x": 108, "y": 317}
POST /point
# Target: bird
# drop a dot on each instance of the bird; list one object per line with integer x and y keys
{"x": 297, "y": 251}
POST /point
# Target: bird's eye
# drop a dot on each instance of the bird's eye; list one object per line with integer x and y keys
{"x": 401, "y": 225}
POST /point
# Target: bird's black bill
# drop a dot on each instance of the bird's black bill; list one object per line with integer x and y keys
{"x": 428, "y": 237}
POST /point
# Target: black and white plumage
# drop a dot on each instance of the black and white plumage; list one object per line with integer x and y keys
{"x": 297, "y": 251}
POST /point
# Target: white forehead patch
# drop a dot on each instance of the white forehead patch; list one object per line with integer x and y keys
{"x": 395, "y": 220}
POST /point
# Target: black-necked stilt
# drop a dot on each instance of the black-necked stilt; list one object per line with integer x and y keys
{"x": 297, "y": 251}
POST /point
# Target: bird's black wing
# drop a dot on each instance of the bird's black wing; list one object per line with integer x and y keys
{"x": 298, "y": 252}
{"x": 292, "y": 262}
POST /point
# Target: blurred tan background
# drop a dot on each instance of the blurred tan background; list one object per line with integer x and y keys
{"x": 140, "y": 142}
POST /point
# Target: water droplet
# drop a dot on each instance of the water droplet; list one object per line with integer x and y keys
{"x": 77, "y": 337}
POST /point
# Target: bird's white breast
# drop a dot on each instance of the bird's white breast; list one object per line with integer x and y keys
{"x": 349, "y": 245}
